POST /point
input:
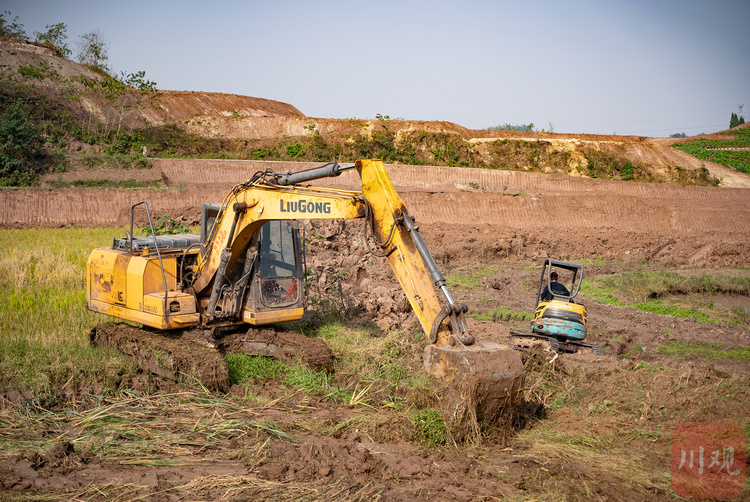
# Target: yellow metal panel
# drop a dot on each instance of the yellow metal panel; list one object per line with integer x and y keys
{"x": 100, "y": 277}
{"x": 561, "y": 305}
{"x": 260, "y": 318}
{"x": 153, "y": 281}
{"x": 119, "y": 294}
{"x": 154, "y": 321}
{"x": 406, "y": 262}
{"x": 134, "y": 300}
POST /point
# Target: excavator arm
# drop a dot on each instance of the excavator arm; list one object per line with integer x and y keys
{"x": 395, "y": 236}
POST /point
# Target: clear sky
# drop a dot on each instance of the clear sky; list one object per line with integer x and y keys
{"x": 643, "y": 67}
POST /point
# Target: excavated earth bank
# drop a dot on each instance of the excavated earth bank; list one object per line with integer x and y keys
{"x": 498, "y": 212}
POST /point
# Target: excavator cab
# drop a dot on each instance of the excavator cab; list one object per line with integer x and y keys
{"x": 264, "y": 285}
{"x": 568, "y": 277}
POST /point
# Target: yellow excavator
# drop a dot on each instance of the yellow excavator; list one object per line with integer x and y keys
{"x": 246, "y": 267}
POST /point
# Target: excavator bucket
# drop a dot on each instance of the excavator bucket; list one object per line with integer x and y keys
{"x": 481, "y": 386}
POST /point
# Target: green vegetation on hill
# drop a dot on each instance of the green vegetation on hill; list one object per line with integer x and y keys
{"x": 46, "y": 129}
{"x": 705, "y": 149}
{"x": 62, "y": 132}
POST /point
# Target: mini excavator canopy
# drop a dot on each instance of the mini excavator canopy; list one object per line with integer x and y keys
{"x": 548, "y": 267}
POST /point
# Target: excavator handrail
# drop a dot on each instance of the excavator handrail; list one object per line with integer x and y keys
{"x": 158, "y": 253}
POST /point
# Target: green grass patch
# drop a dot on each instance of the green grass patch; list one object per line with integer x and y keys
{"x": 303, "y": 378}
{"x": 470, "y": 279}
{"x": 503, "y": 313}
{"x": 45, "y": 368}
{"x": 44, "y": 323}
{"x": 429, "y": 429}
{"x": 640, "y": 286}
{"x": 657, "y": 291}
{"x": 708, "y": 351}
{"x": 243, "y": 367}
{"x": 591, "y": 290}
{"x": 675, "y": 311}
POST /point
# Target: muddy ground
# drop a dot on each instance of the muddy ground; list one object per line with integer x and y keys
{"x": 216, "y": 446}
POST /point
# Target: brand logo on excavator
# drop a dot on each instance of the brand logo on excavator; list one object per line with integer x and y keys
{"x": 304, "y": 206}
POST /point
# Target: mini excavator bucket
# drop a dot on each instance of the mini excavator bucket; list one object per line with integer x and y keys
{"x": 481, "y": 381}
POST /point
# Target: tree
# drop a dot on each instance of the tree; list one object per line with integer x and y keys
{"x": 93, "y": 51}
{"x": 11, "y": 28}
{"x": 734, "y": 121}
{"x": 54, "y": 38}
{"x": 138, "y": 81}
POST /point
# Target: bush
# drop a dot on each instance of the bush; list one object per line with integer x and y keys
{"x": 20, "y": 147}
{"x": 626, "y": 172}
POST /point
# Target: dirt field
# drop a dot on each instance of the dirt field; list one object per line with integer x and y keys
{"x": 608, "y": 440}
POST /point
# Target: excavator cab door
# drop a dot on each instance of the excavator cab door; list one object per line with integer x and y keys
{"x": 276, "y": 286}
{"x": 279, "y": 269}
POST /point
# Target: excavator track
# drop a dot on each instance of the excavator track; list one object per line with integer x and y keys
{"x": 179, "y": 356}
{"x": 523, "y": 340}
{"x": 196, "y": 355}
